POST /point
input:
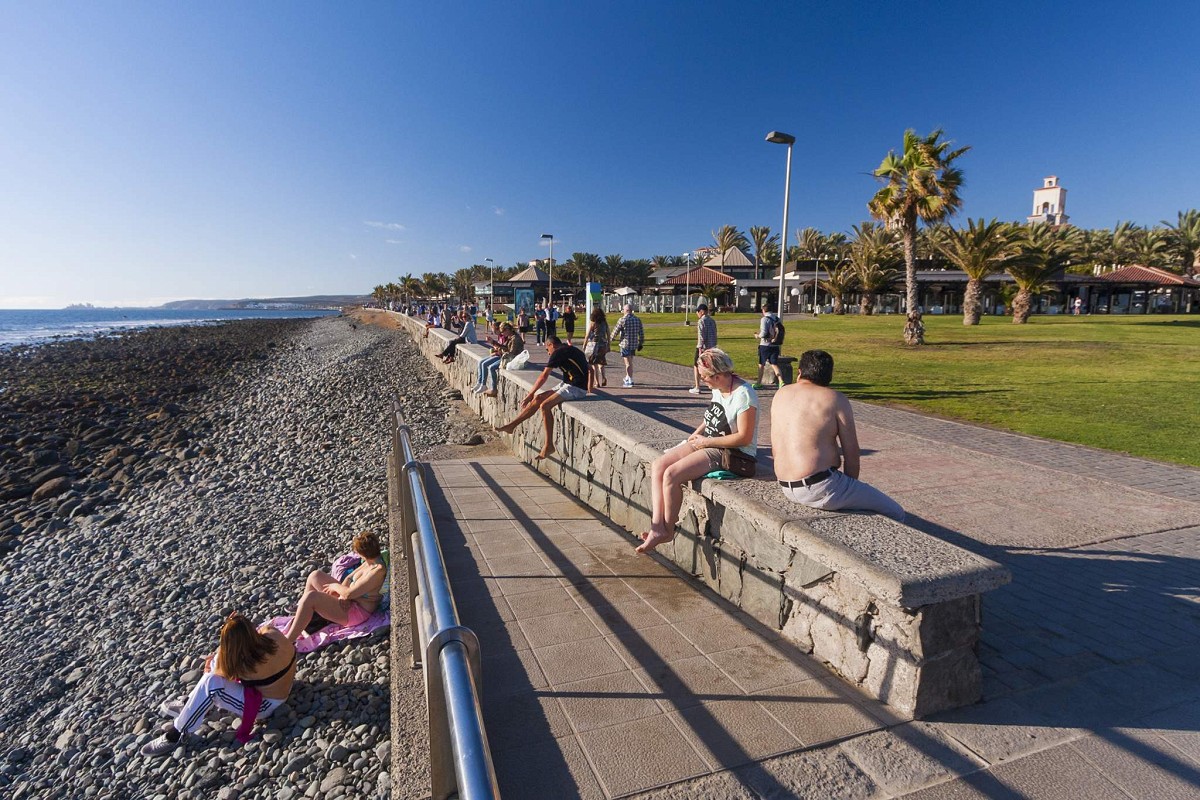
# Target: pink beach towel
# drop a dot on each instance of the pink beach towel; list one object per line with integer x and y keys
{"x": 333, "y": 632}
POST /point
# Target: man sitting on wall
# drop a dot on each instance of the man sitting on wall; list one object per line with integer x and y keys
{"x": 808, "y": 422}
{"x": 575, "y": 371}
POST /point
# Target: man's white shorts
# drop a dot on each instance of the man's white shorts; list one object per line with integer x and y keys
{"x": 568, "y": 392}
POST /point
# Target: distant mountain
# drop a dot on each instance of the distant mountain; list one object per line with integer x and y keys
{"x": 314, "y": 301}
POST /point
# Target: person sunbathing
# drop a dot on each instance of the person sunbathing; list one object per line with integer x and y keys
{"x": 263, "y": 659}
{"x": 349, "y": 602}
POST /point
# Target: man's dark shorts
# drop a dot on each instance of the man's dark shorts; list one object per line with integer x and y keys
{"x": 768, "y": 354}
{"x": 628, "y": 352}
{"x": 696, "y": 358}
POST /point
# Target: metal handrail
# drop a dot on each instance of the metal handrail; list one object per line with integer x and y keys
{"x": 460, "y": 759}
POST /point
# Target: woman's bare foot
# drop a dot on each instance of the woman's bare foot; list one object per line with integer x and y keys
{"x": 546, "y": 452}
{"x": 652, "y": 539}
{"x": 508, "y": 428}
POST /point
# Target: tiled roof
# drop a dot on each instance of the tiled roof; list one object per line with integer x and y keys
{"x": 1154, "y": 276}
{"x": 732, "y": 258}
{"x": 530, "y": 274}
{"x": 700, "y": 276}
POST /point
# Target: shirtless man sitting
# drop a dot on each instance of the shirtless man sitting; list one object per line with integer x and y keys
{"x": 808, "y": 422}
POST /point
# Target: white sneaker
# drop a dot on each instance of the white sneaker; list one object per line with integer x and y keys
{"x": 694, "y": 390}
{"x": 627, "y": 383}
{"x": 171, "y": 708}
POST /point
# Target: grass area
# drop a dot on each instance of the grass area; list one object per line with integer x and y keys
{"x": 1130, "y": 384}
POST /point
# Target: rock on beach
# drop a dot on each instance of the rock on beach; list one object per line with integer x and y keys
{"x": 150, "y": 483}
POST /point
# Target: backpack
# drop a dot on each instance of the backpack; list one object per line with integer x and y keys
{"x": 776, "y": 333}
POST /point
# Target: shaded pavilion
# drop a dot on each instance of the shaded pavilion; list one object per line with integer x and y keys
{"x": 1140, "y": 290}
{"x": 699, "y": 277}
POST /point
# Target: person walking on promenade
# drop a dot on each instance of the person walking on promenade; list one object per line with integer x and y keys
{"x": 706, "y": 339}
{"x": 523, "y": 319}
{"x": 574, "y": 386}
{"x": 808, "y": 423}
{"x": 551, "y": 320}
{"x": 631, "y": 335}
{"x": 568, "y": 320}
{"x": 730, "y": 422}
{"x": 770, "y": 342}
{"x": 595, "y": 347}
{"x": 539, "y": 322}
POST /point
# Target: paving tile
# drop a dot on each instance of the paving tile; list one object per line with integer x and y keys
{"x": 523, "y": 717}
{"x": 499, "y": 635}
{"x": 575, "y": 661}
{"x": 503, "y": 546}
{"x": 641, "y": 754}
{"x": 477, "y": 526}
{"x": 614, "y": 617}
{"x": 605, "y": 700}
{"x": 544, "y": 769}
{"x": 552, "y": 600}
{"x": 716, "y": 633}
{"x": 676, "y": 600}
{"x": 821, "y": 774}
{"x": 646, "y": 647}
{"x": 570, "y": 626}
{"x": 909, "y": 756}
{"x": 510, "y": 672}
{"x": 729, "y": 733}
{"x": 596, "y": 589}
{"x": 688, "y": 682}
{"x": 1001, "y": 730}
{"x": 1141, "y": 763}
{"x": 726, "y": 785}
{"x": 762, "y": 666}
{"x": 815, "y": 712}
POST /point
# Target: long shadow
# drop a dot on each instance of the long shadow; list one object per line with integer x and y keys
{"x": 672, "y": 689}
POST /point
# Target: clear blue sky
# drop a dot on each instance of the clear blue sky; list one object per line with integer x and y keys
{"x": 153, "y": 151}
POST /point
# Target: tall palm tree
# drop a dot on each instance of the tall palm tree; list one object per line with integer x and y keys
{"x": 462, "y": 283}
{"x": 920, "y": 184}
{"x": 980, "y": 249}
{"x": 761, "y": 234}
{"x": 872, "y": 257}
{"x": 840, "y": 279}
{"x": 1150, "y": 247}
{"x": 1184, "y": 239}
{"x": 613, "y": 269}
{"x": 1043, "y": 250}
{"x": 728, "y": 236}
{"x": 411, "y": 287}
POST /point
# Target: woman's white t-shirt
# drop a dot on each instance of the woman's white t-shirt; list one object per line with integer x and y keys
{"x": 720, "y": 419}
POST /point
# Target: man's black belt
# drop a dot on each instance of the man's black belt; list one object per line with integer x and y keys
{"x": 816, "y": 477}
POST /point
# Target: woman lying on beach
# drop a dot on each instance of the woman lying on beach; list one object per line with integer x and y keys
{"x": 730, "y": 422}
{"x": 350, "y": 602}
{"x": 246, "y": 658}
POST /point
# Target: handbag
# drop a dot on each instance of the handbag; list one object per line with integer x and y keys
{"x": 589, "y": 350}
{"x": 737, "y": 462}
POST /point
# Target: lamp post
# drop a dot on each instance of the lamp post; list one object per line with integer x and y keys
{"x": 491, "y": 289}
{"x": 550, "y": 288}
{"x": 778, "y": 137}
{"x": 687, "y": 287}
{"x": 816, "y": 277}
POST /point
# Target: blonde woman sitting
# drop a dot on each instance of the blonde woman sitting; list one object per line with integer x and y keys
{"x": 350, "y": 601}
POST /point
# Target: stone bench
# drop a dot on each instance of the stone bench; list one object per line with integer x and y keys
{"x": 889, "y": 608}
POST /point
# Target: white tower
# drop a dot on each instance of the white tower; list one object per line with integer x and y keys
{"x": 1049, "y": 203}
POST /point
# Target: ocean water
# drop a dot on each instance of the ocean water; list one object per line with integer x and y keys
{"x": 37, "y": 326}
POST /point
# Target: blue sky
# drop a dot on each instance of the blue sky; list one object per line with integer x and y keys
{"x": 155, "y": 151}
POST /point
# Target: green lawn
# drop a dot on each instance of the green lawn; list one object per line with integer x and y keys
{"x": 1130, "y": 384}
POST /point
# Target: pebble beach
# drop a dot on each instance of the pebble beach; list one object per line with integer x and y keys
{"x": 152, "y": 482}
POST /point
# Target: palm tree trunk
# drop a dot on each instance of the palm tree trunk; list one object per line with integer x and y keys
{"x": 971, "y": 307}
{"x": 1022, "y": 306}
{"x": 839, "y": 306}
{"x": 866, "y": 304}
{"x": 910, "y": 266}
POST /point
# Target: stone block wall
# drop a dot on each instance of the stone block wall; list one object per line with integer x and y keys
{"x": 889, "y": 608}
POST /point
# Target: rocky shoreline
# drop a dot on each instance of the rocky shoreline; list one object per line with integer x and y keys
{"x": 150, "y": 483}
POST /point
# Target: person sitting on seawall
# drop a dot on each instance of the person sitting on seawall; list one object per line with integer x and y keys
{"x": 263, "y": 659}
{"x": 730, "y": 422}
{"x": 808, "y": 421}
{"x": 467, "y": 336}
{"x": 350, "y": 602}
{"x": 514, "y": 345}
{"x": 496, "y": 342}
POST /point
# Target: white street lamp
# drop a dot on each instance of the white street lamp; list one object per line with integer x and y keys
{"x": 550, "y": 288}
{"x": 491, "y": 289}
{"x": 778, "y": 137}
{"x": 816, "y": 277}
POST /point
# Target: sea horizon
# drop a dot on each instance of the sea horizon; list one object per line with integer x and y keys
{"x": 39, "y": 326}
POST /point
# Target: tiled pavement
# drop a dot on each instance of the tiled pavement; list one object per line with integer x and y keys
{"x": 1090, "y": 655}
{"x": 604, "y": 670}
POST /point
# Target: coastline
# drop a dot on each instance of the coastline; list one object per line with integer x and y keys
{"x": 203, "y": 469}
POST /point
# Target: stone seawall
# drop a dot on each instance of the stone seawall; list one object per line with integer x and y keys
{"x": 889, "y": 608}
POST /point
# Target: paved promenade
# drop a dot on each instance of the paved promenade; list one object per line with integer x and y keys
{"x": 613, "y": 674}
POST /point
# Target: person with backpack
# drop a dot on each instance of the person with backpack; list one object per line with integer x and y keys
{"x": 770, "y": 342}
